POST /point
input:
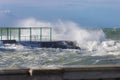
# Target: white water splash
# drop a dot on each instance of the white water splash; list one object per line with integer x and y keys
{"x": 88, "y": 39}
{"x": 67, "y": 31}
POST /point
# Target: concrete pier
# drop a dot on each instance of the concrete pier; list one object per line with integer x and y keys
{"x": 100, "y": 72}
{"x": 45, "y": 44}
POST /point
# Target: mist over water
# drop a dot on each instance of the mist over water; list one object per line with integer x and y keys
{"x": 96, "y": 49}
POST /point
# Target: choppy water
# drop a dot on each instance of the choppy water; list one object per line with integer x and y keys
{"x": 92, "y": 53}
{"x": 18, "y": 56}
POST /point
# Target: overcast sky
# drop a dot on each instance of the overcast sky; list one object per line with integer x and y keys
{"x": 92, "y": 13}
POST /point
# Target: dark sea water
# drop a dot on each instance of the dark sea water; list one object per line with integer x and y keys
{"x": 95, "y": 50}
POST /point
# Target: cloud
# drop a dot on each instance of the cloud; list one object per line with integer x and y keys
{"x": 7, "y": 18}
{"x": 5, "y": 11}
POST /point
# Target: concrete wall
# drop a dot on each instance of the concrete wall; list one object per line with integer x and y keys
{"x": 108, "y": 72}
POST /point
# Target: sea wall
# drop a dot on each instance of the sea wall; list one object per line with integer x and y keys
{"x": 45, "y": 44}
{"x": 100, "y": 72}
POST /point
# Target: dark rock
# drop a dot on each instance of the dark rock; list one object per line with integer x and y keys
{"x": 59, "y": 44}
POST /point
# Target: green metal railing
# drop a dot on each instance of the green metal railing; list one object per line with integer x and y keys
{"x": 9, "y": 33}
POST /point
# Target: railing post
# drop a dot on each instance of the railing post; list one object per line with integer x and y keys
{"x": 50, "y": 34}
{"x": 10, "y": 33}
{"x": 7, "y": 33}
{"x": 30, "y": 34}
{"x": 41, "y": 34}
{"x": 1, "y": 34}
{"x": 19, "y": 34}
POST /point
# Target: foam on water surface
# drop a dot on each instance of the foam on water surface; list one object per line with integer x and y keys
{"x": 13, "y": 55}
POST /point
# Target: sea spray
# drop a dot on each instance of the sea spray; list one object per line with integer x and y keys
{"x": 67, "y": 30}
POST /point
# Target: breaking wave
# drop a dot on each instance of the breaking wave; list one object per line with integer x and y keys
{"x": 67, "y": 30}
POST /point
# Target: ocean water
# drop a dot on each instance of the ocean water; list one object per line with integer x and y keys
{"x": 112, "y": 33}
{"x": 98, "y": 47}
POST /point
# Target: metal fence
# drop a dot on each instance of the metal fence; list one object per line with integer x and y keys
{"x": 26, "y": 33}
